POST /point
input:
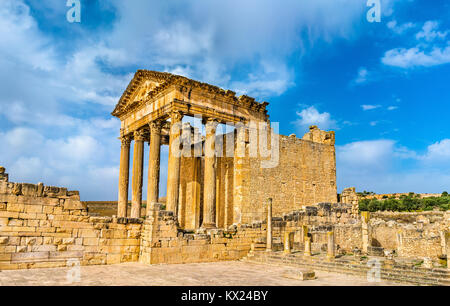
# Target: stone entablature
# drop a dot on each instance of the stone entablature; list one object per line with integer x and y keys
{"x": 153, "y": 95}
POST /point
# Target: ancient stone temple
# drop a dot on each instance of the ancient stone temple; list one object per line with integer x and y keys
{"x": 246, "y": 192}
{"x": 216, "y": 180}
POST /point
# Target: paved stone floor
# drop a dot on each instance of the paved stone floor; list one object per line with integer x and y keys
{"x": 215, "y": 274}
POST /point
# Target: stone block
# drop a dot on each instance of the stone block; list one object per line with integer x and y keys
{"x": 13, "y": 207}
{"x": 70, "y": 204}
{"x": 43, "y": 248}
{"x": 29, "y": 257}
{"x": 65, "y": 255}
{"x": 300, "y": 274}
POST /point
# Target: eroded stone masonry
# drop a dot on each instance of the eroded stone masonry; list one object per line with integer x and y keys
{"x": 228, "y": 194}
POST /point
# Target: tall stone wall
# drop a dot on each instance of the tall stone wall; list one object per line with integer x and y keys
{"x": 43, "y": 226}
{"x": 305, "y": 175}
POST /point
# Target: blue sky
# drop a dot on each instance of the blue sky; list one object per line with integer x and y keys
{"x": 382, "y": 86}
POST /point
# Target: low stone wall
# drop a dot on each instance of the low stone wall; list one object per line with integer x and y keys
{"x": 43, "y": 226}
{"x": 162, "y": 241}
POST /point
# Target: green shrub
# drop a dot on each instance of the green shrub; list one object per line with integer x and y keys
{"x": 406, "y": 203}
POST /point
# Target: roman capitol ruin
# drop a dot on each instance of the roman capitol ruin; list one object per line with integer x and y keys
{"x": 216, "y": 187}
{"x": 248, "y": 193}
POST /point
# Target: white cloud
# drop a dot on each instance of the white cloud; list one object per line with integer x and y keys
{"x": 422, "y": 55}
{"x": 367, "y": 154}
{"x": 274, "y": 79}
{"x": 400, "y": 28}
{"x": 54, "y": 93}
{"x": 438, "y": 153}
{"x": 210, "y": 40}
{"x": 391, "y": 108}
{"x": 429, "y": 32}
{"x": 367, "y": 107}
{"x": 376, "y": 165}
{"x": 415, "y": 57}
{"x": 311, "y": 116}
{"x": 362, "y": 76}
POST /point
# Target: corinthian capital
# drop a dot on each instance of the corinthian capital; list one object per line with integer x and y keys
{"x": 176, "y": 116}
{"x": 139, "y": 135}
{"x": 125, "y": 140}
{"x": 210, "y": 125}
{"x": 155, "y": 126}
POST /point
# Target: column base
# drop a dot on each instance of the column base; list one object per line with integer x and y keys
{"x": 208, "y": 226}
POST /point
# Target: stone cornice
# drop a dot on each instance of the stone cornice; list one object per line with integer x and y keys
{"x": 165, "y": 80}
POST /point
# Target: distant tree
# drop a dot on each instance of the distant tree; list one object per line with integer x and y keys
{"x": 445, "y": 194}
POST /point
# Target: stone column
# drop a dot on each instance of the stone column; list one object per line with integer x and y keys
{"x": 447, "y": 246}
{"x": 154, "y": 163}
{"x": 399, "y": 242}
{"x": 307, "y": 246}
{"x": 173, "y": 167}
{"x": 138, "y": 165}
{"x": 124, "y": 173}
{"x": 269, "y": 226}
{"x": 209, "y": 191}
{"x": 287, "y": 242}
{"x": 305, "y": 232}
{"x": 365, "y": 217}
{"x": 238, "y": 173}
{"x": 330, "y": 250}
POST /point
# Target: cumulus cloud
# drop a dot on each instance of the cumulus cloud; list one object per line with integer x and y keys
{"x": 416, "y": 57}
{"x": 311, "y": 116}
{"x": 400, "y": 28}
{"x": 438, "y": 153}
{"x": 433, "y": 51}
{"x": 430, "y": 32}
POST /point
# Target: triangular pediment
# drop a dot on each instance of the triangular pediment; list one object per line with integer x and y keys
{"x": 146, "y": 84}
{"x": 142, "y": 84}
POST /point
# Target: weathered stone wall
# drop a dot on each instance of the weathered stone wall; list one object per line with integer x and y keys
{"x": 305, "y": 175}
{"x": 163, "y": 241}
{"x": 43, "y": 226}
{"x": 419, "y": 234}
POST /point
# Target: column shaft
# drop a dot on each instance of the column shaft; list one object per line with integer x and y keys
{"x": 173, "y": 168}
{"x": 330, "y": 245}
{"x": 124, "y": 172}
{"x": 209, "y": 191}
{"x": 154, "y": 163}
{"x": 138, "y": 165}
{"x": 307, "y": 246}
{"x": 269, "y": 226}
